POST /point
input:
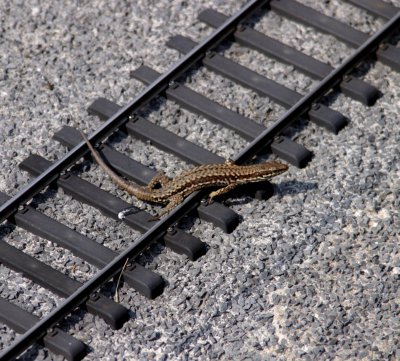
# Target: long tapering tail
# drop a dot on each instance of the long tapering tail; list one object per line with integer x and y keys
{"x": 122, "y": 183}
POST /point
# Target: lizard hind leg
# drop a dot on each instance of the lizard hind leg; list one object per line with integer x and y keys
{"x": 173, "y": 202}
{"x": 160, "y": 180}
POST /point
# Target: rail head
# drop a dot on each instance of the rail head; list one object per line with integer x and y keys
{"x": 164, "y": 224}
{"x": 112, "y": 124}
{"x": 122, "y": 116}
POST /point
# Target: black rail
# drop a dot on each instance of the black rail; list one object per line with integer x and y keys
{"x": 389, "y": 54}
{"x": 245, "y": 35}
{"x": 286, "y": 148}
{"x": 52, "y": 173}
{"x": 378, "y": 8}
{"x": 79, "y": 294}
{"x": 141, "y": 279}
{"x": 320, "y": 114}
{"x": 54, "y": 170}
{"x": 55, "y": 340}
{"x": 320, "y": 89}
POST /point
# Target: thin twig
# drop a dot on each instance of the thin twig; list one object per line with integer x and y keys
{"x": 116, "y": 296}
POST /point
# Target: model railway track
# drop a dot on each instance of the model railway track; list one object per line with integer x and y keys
{"x": 16, "y": 210}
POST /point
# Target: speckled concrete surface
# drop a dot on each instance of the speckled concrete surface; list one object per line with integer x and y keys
{"x": 312, "y": 273}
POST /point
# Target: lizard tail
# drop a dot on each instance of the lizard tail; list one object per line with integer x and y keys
{"x": 122, "y": 183}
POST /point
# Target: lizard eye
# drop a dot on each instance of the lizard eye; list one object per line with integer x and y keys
{"x": 157, "y": 185}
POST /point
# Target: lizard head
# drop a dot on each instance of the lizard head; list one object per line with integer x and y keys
{"x": 275, "y": 168}
{"x": 267, "y": 170}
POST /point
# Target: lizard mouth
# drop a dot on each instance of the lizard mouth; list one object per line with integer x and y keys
{"x": 266, "y": 171}
{"x": 277, "y": 169}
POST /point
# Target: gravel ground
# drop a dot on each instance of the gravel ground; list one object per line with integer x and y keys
{"x": 312, "y": 273}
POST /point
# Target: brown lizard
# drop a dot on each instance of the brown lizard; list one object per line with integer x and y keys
{"x": 173, "y": 191}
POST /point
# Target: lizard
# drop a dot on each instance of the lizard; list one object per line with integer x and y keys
{"x": 172, "y": 192}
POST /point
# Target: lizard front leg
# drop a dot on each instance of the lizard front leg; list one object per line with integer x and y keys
{"x": 173, "y": 202}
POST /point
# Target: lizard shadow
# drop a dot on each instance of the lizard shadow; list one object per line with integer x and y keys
{"x": 279, "y": 189}
{"x": 247, "y": 193}
{"x": 295, "y": 187}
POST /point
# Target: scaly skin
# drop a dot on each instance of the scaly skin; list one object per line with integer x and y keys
{"x": 173, "y": 191}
